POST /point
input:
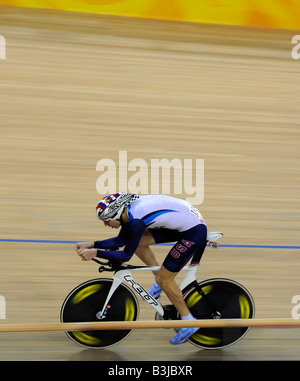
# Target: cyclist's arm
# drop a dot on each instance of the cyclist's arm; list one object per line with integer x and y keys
{"x": 134, "y": 231}
{"x": 109, "y": 243}
{"x": 115, "y": 242}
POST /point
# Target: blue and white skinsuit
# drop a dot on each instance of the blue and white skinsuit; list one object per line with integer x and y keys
{"x": 169, "y": 219}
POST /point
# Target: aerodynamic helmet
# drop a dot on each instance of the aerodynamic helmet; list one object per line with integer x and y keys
{"x": 111, "y": 207}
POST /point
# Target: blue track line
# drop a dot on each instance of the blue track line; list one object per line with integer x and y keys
{"x": 36, "y": 240}
{"x": 166, "y": 244}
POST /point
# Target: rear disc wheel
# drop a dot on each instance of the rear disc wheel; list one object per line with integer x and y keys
{"x": 220, "y": 299}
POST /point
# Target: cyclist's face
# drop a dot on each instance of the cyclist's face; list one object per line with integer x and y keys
{"x": 115, "y": 224}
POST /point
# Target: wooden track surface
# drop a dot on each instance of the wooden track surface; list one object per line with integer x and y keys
{"x": 75, "y": 89}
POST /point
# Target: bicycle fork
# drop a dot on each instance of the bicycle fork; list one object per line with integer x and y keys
{"x": 125, "y": 276}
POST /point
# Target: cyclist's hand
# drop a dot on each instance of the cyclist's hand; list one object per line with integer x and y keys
{"x": 80, "y": 246}
{"x": 88, "y": 254}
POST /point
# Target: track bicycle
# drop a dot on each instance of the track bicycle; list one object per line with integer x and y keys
{"x": 115, "y": 299}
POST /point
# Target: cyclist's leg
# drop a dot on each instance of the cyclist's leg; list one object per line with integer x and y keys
{"x": 178, "y": 256}
{"x": 160, "y": 236}
{"x": 144, "y": 251}
{"x": 146, "y": 255}
{"x": 166, "y": 280}
{"x": 151, "y": 237}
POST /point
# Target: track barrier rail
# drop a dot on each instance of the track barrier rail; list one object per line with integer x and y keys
{"x": 119, "y": 325}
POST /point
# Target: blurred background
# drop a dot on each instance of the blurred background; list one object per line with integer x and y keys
{"x": 84, "y": 80}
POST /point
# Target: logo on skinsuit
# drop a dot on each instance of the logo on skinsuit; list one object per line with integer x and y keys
{"x": 181, "y": 248}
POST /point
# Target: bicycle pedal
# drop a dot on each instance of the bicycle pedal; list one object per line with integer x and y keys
{"x": 170, "y": 312}
{"x": 158, "y": 316}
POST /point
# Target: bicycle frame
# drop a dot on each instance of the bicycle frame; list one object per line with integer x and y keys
{"x": 123, "y": 274}
{"x": 126, "y": 276}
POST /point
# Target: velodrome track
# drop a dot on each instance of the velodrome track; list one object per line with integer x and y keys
{"x": 75, "y": 89}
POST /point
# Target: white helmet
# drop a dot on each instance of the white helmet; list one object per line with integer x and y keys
{"x": 111, "y": 207}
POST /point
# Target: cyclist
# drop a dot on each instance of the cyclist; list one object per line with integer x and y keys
{"x": 144, "y": 221}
